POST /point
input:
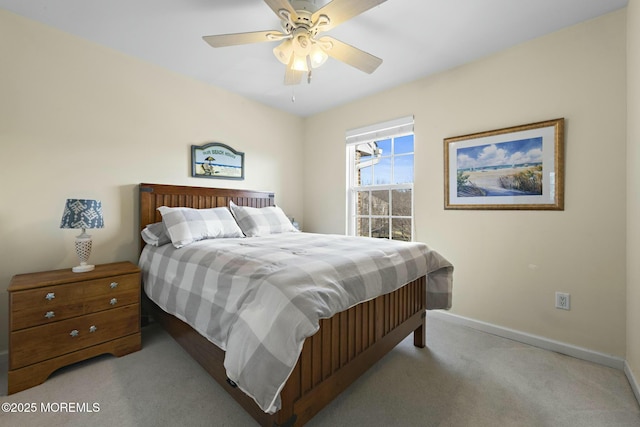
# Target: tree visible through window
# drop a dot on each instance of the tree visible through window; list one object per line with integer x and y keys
{"x": 381, "y": 187}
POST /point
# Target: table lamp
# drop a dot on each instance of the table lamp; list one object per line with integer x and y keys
{"x": 82, "y": 213}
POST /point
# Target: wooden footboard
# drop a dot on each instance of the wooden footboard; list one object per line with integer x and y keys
{"x": 346, "y": 346}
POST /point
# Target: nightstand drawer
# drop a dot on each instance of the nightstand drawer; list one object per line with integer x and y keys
{"x": 105, "y": 302}
{"x": 46, "y": 305}
{"x": 112, "y": 292}
{"x": 111, "y": 285}
{"x": 43, "y": 342}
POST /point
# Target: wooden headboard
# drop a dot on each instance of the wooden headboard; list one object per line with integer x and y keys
{"x": 152, "y": 196}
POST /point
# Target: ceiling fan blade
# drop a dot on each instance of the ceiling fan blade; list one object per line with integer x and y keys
{"x": 277, "y": 5}
{"x": 339, "y": 11}
{"x": 223, "y": 40}
{"x": 350, "y": 55}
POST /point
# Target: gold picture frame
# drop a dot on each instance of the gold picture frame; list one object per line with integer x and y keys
{"x": 519, "y": 167}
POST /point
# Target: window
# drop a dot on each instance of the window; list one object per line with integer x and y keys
{"x": 380, "y": 187}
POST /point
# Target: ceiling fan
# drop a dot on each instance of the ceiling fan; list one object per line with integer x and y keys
{"x": 301, "y": 50}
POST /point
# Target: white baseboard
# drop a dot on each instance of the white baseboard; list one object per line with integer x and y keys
{"x": 632, "y": 381}
{"x": 536, "y": 341}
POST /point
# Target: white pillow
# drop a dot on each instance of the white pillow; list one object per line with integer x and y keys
{"x": 155, "y": 234}
{"x": 261, "y": 221}
{"x": 188, "y": 225}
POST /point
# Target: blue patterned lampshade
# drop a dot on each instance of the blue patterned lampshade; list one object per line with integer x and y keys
{"x": 82, "y": 213}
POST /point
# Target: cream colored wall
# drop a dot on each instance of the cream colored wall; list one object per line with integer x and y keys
{"x": 633, "y": 195}
{"x": 509, "y": 264}
{"x": 80, "y": 120}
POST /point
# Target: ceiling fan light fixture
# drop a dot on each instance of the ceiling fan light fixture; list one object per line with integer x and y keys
{"x": 299, "y": 63}
{"x": 317, "y": 56}
{"x": 284, "y": 51}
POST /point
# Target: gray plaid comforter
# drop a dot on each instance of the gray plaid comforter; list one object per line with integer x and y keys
{"x": 258, "y": 298}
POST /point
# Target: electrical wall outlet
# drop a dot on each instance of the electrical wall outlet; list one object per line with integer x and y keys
{"x": 563, "y": 301}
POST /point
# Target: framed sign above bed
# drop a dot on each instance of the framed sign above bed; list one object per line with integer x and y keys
{"x": 216, "y": 160}
{"x": 520, "y": 167}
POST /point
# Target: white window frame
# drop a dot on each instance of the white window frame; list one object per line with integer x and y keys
{"x": 381, "y": 131}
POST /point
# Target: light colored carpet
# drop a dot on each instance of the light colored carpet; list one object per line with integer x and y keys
{"x": 463, "y": 378}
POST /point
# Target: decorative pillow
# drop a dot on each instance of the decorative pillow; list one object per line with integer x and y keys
{"x": 188, "y": 225}
{"x": 155, "y": 234}
{"x": 261, "y": 221}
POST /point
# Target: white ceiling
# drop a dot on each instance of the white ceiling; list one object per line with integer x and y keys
{"x": 415, "y": 38}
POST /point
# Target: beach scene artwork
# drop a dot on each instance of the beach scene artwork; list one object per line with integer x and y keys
{"x": 512, "y": 168}
{"x": 216, "y": 160}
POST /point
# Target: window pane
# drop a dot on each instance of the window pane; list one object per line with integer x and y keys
{"x": 365, "y": 177}
{"x": 402, "y": 145}
{"x": 382, "y": 172}
{"x": 362, "y": 227}
{"x": 380, "y": 202}
{"x": 403, "y": 169}
{"x": 401, "y": 202}
{"x": 362, "y": 207}
{"x": 401, "y": 229}
{"x": 380, "y": 227}
{"x": 385, "y": 145}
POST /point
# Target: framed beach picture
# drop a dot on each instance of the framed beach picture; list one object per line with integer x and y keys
{"x": 216, "y": 160}
{"x": 520, "y": 167}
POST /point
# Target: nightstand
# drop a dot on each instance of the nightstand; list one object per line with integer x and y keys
{"x": 57, "y": 318}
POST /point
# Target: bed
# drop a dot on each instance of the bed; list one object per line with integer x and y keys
{"x": 344, "y": 346}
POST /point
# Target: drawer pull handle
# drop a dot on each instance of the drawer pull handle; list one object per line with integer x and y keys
{"x": 49, "y": 315}
{"x": 92, "y": 328}
{"x": 50, "y": 296}
{"x": 74, "y": 333}
{"x": 114, "y": 285}
{"x": 113, "y": 301}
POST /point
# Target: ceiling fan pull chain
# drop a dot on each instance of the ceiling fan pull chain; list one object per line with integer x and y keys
{"x": 293, "y": 94}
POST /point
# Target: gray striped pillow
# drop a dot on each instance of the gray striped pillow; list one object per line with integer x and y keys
{"x": 188, "y": 225}
{"x": 261, "y": 221}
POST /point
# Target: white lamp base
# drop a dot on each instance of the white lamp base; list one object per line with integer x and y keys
{"x": 83, "y": 249}
{"x": 83, "y": 268}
